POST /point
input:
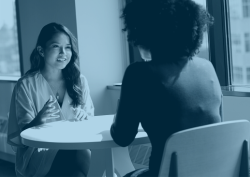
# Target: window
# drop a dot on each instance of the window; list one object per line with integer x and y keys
{"x": 236, "y": 39}
{"x": 247, "y": 42}
{"x": 236, "y": 11}
{"x": 236, "y": 43}
{"x": 240, "y": 53}
{"x": 248, "y": 75}
{"x": 238, "y": 75}
{"x": 9, "y": 52}
{"x": 246, "y": 8}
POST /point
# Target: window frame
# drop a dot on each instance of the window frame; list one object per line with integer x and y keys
{"x": 19, "y": 37}
{"x": 220, "y": 40}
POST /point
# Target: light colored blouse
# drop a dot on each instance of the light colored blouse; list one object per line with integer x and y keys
{"x": 29, "y": 96}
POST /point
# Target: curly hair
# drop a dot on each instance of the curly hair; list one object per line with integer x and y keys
{"x": 71, "y": 72}
{"x": 169, "y": 29}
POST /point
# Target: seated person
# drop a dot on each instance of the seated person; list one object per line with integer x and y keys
{"x": 53, "y": 89}
{"x": 172, "y": 89}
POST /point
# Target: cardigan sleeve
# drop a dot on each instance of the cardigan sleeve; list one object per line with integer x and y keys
{"x": 22, "y": 112}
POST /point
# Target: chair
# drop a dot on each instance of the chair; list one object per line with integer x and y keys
{"x": 214, "y": 150}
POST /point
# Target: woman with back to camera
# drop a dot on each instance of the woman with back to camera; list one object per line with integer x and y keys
{"x": 53, "y": 89}
{"x": 176, "y": 90}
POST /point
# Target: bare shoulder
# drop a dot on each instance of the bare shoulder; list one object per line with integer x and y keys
{"x": 203, "y": 64}
{"x": 203, "y": 61}
{"x": 207, "y": 73}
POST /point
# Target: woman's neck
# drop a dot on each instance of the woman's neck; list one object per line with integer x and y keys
{"x": 52, "y": 75}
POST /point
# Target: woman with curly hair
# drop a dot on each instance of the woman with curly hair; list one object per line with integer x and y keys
{"x": 53, "y": 89}
{"x": 174, "y": 89}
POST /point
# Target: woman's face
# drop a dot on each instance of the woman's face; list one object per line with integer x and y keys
{"x": 57, "y": 52}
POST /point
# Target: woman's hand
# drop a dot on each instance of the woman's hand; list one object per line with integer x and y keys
{"x": 48, "y": 111}
{"x": 80, "y": 114}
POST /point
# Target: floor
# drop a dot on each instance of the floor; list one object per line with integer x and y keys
{"x": 7, "y": 169}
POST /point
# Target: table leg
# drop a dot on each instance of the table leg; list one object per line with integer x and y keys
{"x": 97, "y": 164}
{"x": 102, "y": 164}
{"x": 122, "y": 161}
{"x": 109, "y": 163}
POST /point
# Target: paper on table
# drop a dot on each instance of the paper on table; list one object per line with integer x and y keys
{"x": 117, "y": 84}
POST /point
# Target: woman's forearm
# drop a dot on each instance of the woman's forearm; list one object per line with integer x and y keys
{"x": 32, "y": 123}
{"x": 29, "y": 125}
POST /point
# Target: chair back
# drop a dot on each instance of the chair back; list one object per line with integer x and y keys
{"x": 214, "y": 150}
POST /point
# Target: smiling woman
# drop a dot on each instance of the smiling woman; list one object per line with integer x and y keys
{"x": 57, "y": 52}
{"x": 53, "y": 89}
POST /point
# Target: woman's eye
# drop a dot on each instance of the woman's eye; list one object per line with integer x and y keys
{"x": 55, "y": 46}
{"x": 68, "y": 47}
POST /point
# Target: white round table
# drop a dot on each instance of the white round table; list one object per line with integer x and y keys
{"x": 92, "y": 134}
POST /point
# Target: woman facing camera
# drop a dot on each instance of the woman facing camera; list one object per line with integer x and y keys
{"x": 53, "y": 89}
{"x": 174, "y": 89}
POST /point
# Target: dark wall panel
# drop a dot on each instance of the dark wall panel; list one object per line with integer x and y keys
{"x": 34, "y": 14}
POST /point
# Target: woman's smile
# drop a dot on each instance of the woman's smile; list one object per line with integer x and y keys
{"x": 58, "y": 51}
{"x": 61, "y": 59}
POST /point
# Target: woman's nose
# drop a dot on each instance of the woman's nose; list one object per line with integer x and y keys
{"x": 62, "y": 50}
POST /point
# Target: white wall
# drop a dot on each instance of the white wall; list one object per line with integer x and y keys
{"x": 236, "y": 108}
{"x": 101, "y": 43}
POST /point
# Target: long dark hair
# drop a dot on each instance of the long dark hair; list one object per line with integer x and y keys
{"x": 71, "y": 72}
